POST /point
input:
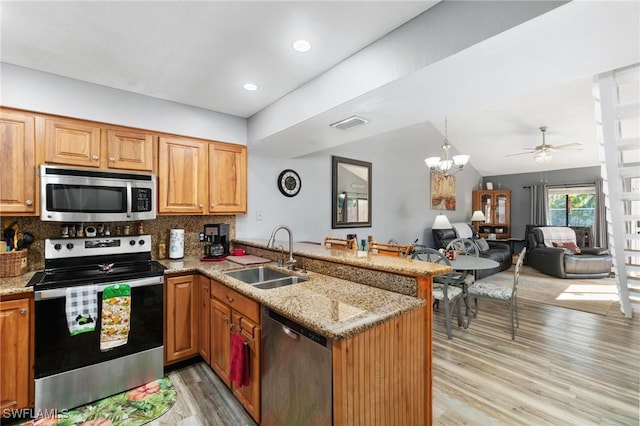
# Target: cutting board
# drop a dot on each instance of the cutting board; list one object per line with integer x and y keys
{"x": 248, "y": 259}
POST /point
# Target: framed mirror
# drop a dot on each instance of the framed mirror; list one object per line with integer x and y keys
{"x": 351, "y": 193}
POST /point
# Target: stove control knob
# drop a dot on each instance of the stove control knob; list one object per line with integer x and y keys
{"x": 132, "y": 243}
{"x": 141, "y": 242}
{"x": 57, "y": 246}
{"x": 69, "y": 246}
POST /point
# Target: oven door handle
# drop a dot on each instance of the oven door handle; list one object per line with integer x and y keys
{"x": 57, "y": 293}
{"x": 129, "y": 200}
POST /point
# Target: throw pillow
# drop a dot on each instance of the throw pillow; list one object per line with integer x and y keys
{"x": 483, "y": 245}
{"x": 572, "y": 247}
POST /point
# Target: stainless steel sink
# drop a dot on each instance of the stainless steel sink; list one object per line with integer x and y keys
{"x": 265, "y": 278}
{"x": 280, "y": 282}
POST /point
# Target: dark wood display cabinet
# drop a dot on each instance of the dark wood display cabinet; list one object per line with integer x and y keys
{"x": 496, "y": 206}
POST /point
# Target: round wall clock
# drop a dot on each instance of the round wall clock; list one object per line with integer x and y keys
{"x": 289, "y": 183}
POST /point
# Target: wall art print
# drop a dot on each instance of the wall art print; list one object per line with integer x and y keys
{"x": 443, "y": 191}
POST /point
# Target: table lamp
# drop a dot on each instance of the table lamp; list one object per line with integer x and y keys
{"x": 441, "y": 222}
{"x": 477, "y": 216}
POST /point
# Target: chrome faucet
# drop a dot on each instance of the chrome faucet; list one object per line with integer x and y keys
{"x": 291, "y": 262}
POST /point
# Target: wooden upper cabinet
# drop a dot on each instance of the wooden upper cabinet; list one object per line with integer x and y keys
{"x": 199, "y": 177}
{"x": 18, "y": 168}
{"x": 182, "y": 176}
{"x": 87, "y": 144}
{"x": 72, "y": 142}
{"x": 129, "y": 150}
{"x": 227, "y": 178}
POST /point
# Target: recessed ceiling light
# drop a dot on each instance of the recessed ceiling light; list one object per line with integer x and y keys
{"x": 250, "y": 87}
{"x": 302, "y": 45}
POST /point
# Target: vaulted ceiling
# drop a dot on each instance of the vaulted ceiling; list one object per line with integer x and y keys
{"x": 497, "y": 70}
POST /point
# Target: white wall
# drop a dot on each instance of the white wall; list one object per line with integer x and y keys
{"x": 400, "y": 195}
{"x": 400, "y": 198}
{"x": 33, "y": 90}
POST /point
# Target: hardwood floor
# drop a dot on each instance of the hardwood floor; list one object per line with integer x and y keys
{"x": 203, "y": 399}
{"x": 566, "y": 367}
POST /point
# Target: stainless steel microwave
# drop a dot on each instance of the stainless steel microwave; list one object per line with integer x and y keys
{"x": 89, "y": 195}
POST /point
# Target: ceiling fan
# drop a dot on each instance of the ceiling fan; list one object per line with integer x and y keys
{"x": 542, "y": 153}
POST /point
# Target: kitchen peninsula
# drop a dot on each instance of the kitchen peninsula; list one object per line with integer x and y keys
{"x": 376, "y": 310}
{"x": 384, "y": 373}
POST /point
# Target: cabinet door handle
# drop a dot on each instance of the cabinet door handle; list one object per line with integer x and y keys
{"x": 112, "y": 159}
{"x": 23, "y": 311}
{"x": 212, "y": 205}
{"x": 94, "y": 157}
{"x": 201, "y": 205}
{"x": 229, "y": 298}
{"x": 28, "y": 202}
{"x": 206, "y": 289}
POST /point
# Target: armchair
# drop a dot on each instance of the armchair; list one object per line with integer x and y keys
{"x": 554, "y": 250}
{"x": 495, "y": 250}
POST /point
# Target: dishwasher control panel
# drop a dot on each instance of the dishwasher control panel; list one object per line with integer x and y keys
{"x": 300, "y": 329}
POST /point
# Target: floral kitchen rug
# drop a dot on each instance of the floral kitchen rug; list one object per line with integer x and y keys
{"x": 132, "y": 408}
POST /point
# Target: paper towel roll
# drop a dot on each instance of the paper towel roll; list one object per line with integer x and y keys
{"x": 176, "y": 244}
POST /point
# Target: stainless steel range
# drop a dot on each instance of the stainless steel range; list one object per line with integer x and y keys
{"x": 74, "y": 369}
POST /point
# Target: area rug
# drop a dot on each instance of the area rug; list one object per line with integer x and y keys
{"x": 590, "y": 295}
{"x": 132, "y": 408}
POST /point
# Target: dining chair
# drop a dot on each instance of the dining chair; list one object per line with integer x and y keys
{"x": 446, "y": 287}
{"x": 484, "y": 289}
{"x": 465, "y": 246}
{"x": 338, "y": 243}
{"x": 390, "y": 249}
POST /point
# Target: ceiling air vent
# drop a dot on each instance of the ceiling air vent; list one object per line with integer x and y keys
{"x": 349, "y": 123}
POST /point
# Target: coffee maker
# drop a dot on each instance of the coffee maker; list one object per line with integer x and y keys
{"x": 216, "y": 241}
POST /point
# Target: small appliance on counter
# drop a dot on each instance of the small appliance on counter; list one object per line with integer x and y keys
{"x": 216, "y": 238}
{"x": 176, "y": 244}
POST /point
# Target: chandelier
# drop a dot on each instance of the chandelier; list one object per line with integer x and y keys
{"x": 446, "y": 164}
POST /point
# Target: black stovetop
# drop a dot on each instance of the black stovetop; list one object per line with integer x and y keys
{"x": 94, "y": 270}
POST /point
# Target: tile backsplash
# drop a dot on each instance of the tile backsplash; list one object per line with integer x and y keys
{"x": 158, "y": 229}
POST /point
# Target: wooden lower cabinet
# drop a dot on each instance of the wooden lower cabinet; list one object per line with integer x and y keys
{"x": 249, "y": 396}
{"x": 204, "y": 318}
{"x": 220, "y": 341}
{"x": 16, "y": 373}
{"x": 382, "y": 376}
{"x": 181, "y": 329}
{"x": 232, "y": 312}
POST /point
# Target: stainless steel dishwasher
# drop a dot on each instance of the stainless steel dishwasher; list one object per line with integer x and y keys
{"x": 296, "y": 374}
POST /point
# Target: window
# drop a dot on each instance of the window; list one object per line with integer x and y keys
{"x": 574, "y": 206}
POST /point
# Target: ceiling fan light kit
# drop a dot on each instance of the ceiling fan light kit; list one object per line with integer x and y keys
{"x": 446, "y": 163}
{"x": 542, "y": 153}
{"x": 542, "y": 157}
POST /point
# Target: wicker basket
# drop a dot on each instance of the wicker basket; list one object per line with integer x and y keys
{"x": 13, "y": 263}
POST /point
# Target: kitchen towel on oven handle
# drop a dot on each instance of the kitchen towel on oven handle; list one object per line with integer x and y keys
{"x": 114, "y": 319}
{"x": 81, "y": 308}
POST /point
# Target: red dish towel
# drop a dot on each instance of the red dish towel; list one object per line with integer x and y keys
{"x": 240, "y": 359}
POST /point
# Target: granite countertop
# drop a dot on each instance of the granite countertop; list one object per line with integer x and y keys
{"x": 331, "y": 306}
{"x": 391, "y": 264}
{"x": 334, "y": 307}
{"x": 16, "y": 285}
